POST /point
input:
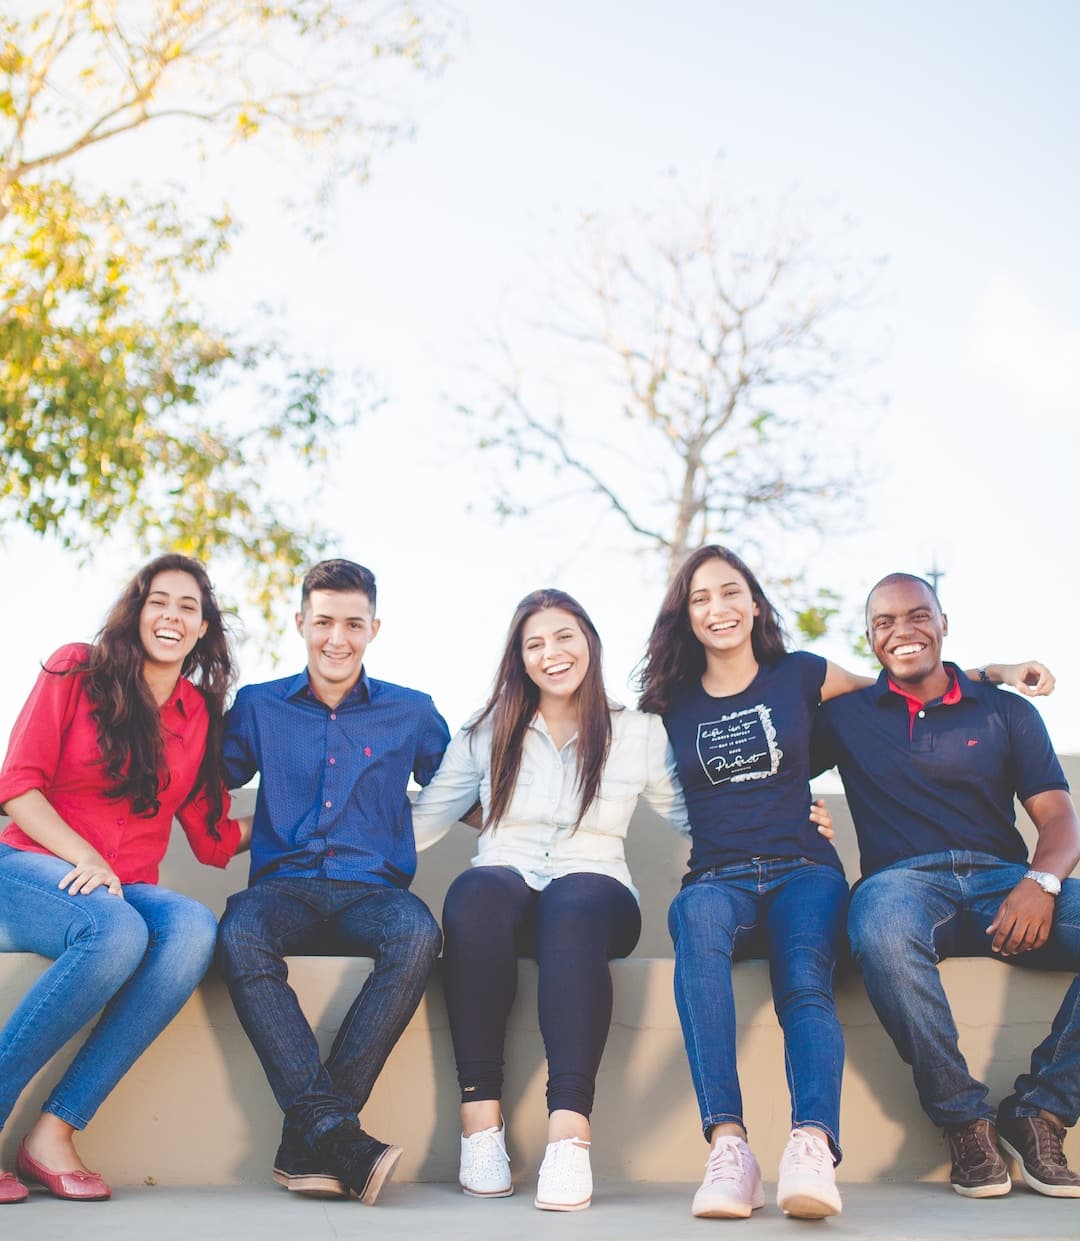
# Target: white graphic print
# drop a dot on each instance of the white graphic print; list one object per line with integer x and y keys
{"x": 740, "y": 746}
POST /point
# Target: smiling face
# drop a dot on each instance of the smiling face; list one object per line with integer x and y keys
{"x": 555, "y": 652}
{"x": 336, "y": 626}
{"x": 721, "y": 607}
{"x": 906, "y": 628}
{"x": 171, "y": 619}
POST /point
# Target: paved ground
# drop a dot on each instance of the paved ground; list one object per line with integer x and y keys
{"x": 620, "y": 1212}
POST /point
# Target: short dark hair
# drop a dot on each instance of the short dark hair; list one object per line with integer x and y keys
{"x": 338, "y": 575}
{"x": 893, "y": 579}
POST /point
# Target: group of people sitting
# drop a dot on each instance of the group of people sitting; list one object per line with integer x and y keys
{"x": 120, "y": 736}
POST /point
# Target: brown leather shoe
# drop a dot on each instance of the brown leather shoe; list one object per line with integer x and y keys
{"x": 1035, "y": 1143}
{"x": 978, "y": 1170}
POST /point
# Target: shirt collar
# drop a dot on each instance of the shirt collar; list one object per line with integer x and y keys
{"x": 959, "y": 687}
{"x": 300, "y": 687}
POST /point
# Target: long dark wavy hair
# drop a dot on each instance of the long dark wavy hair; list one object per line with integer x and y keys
{"x": 674, "y": 658}
{"x": 515, "y": 699}
{"x": 127, "y": 717}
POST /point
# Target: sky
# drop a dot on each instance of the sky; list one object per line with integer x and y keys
{"x": 940, "y": 136}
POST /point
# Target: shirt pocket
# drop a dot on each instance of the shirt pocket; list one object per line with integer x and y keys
{"x": 613, "y": 807}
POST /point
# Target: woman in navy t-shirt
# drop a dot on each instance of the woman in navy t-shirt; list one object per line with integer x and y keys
{"x": 763, "y": 880}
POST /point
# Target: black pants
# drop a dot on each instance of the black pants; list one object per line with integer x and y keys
{"x": 573, "y": 928}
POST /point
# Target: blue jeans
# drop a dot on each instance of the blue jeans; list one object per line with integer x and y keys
{"x": 790, "y": 911}
{"x": 135, "y": 960}
{"x": 911, "y": 915}
{"x": 304, "y": 915}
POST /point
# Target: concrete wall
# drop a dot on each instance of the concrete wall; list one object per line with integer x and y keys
{"x": 196, "y": 1108}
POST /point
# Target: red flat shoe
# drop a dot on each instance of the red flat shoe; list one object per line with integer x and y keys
{"x": 77, "y": 1186}
{"x": 12, "y": 1189}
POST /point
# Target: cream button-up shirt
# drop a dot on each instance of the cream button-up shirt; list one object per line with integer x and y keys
{"x": 537, "y": 837}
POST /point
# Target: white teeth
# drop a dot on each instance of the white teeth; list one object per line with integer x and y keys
{"x": 167, "y": 635}
{"x": 555, "y": 669}
{"x": 719, "y": 628}
{"x": 912, "y": 648}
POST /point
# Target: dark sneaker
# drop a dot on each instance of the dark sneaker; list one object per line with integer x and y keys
{"x": 978, "y": 1170}
{"x": 1035, "y": 1143}
{"x": 298, "y": 1170}
{"x": 362, "y": 1163}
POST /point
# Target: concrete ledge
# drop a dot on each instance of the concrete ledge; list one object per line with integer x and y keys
{"x": 196, "y": 1108}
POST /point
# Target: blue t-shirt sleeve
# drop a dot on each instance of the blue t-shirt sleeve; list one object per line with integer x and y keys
{"x": 432, "y": 740}
{"x": 1036, "y": 767}
{"x": 812, "y": 670}
{"x": 241, "y": 761}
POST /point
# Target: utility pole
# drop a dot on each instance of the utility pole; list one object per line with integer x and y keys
{"x": 935, "y": 575}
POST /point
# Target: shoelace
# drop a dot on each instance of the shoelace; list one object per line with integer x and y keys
{"x": 974, "y": 1143}
{"x": 807, "y": 1155}
{"x": 1050, "y": 1140}
{"x": 486, "y": 1149}
{"x": 725, "y": 1163}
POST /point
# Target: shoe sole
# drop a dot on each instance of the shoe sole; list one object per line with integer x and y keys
{"x": 381, "y": 1172}
{"x": 983, "y": 1191}
{"x": 314, "y": 1184}
{"x": 1040, "y": 1187}
{"x": 562, "y": 1206}
{"x": 486, "y": 1193}
{"x": 807, "y": 1206}
{"x": 729, "y": 1210}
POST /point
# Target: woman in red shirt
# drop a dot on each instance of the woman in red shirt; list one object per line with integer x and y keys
{"x": 115, "y": 739}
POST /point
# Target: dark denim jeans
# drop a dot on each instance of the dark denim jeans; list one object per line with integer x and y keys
{"x": 288, "y": 914}
{"x": 907, "y": 918}
{"x": 790, "y": 911}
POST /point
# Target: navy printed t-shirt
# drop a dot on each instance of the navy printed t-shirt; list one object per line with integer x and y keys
{"x": 744, "y": 765}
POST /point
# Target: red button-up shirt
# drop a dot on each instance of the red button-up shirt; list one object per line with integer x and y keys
{"x": 54, "y": 748}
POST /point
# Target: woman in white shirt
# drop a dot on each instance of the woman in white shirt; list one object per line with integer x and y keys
{"x": 558, "y": 769}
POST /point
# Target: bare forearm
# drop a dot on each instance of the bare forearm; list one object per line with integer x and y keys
{"x": 34, "y": 814}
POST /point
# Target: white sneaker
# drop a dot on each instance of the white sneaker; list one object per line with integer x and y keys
{"x": 807, "y": 1184}
{"x": 565, "y": 1181}
{"x": 732, "y": 1185}
{"x": 485, "y": 1165}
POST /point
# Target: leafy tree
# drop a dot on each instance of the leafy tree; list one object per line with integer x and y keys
{"x": 703, "y": 361}
{"x": 122, "y": 406}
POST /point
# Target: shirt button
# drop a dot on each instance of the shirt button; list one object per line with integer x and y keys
{"x": 328, "y": 804}
{"x": 111, "y": 853}
{"x": 922, "y": 715}
{"x": 333, "y": 715}
{"x": 332, "y": 761}
{"x": 120, "y": 822}
{"x": 329, "y": 853}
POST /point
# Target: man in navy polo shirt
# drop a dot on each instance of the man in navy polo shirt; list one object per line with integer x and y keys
{"x": 931, "y": 762}
{"x": 332, "y": 856}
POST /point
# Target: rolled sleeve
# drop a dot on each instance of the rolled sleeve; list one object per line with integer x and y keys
{"x": 450, "y": 793}
{"x": 33, "y": 753}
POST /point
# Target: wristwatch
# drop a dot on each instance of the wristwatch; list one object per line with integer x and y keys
{"x": 1048, "y": 882}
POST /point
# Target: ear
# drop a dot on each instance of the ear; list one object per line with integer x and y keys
{"x": 300, "y": 623}
{"x": 203, "y": 628}
{"x": 944, "y": 625}
{"x": 376, "y": 624}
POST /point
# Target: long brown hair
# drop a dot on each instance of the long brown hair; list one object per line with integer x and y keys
{"x": 127, "y": 717}
{"x": 515, "y": 699}
{"x": 674, "y": 657}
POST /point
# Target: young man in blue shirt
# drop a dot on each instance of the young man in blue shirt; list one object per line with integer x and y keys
{"x": 332, "y": 857}
{"x": 931, "y": 762}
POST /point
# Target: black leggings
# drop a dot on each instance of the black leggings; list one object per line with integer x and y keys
{"x": 572, "y": 929}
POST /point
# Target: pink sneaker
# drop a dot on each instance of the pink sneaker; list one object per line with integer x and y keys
{"x": 732, "y": 1185}
{"x": 807, "y": 1184}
